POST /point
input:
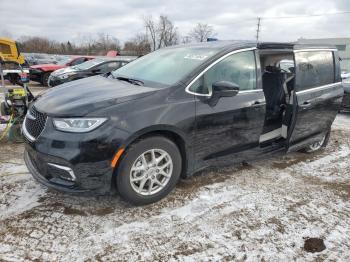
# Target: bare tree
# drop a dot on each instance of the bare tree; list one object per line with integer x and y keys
{"x": 97, "y": 46}
{"x": 186, "y": 39}
{"x": 151, "y": 29}
{"x": 139, "y": 45}
{"x": 162, "y": 33}
{"x": 201, "y": 32}
{"x": 167, "y": 32}
{"x": 38, "y": 44}
{"x": 106, "y": 42}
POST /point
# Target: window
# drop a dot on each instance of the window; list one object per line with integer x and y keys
{"x": 89, "y": 64}
{"x": 314, "y": 69}
{"x": 341, "y": 47}
{"x": 108, "y": 67}
{"x": 239, "y": 68}
{"x": 5, "y": 49}
{"x": 78, "y": 61}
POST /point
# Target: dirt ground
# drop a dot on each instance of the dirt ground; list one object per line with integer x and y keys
{"x": 293, "y": 207}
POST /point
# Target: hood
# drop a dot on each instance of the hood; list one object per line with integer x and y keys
{"x": 63, "y": 71}
{"x": 48, "y": 67}
{"x": 81, "y": 97}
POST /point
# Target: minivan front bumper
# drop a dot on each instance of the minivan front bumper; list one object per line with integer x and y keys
{"x": 55, "y": 182}
{"x": 74, "y": 163}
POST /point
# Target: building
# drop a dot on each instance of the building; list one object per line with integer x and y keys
{"x": 342, "y": 44}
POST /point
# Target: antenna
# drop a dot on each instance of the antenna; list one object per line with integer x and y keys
{"x": 258, "y": 29}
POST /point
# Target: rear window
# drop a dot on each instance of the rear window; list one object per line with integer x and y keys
{"x": 314, "y": 69}
{"x": 5, "y": 49}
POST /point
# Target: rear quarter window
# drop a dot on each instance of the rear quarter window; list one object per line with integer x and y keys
{"x": 314, "y": 69}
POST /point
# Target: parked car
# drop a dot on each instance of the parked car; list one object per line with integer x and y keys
{"x": 92, "y": 67}
{"x": 39, "y": 59}
{"x": 345, "y": 75}
{"x": 178, "y": 110}
{"x": 346, "y": 98}
{"x": 41, "y": 73}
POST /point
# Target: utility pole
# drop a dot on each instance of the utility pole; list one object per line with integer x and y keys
{"x": 258, "y": 29}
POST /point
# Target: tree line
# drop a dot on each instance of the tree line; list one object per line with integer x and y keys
{"x": 160, "y": 32}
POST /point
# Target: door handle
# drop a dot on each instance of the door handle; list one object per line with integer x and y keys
{"x": 258, "y": 102}
{"x": 306, "y": 104}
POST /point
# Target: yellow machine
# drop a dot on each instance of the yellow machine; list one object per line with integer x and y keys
{"x": 9, "y": 51}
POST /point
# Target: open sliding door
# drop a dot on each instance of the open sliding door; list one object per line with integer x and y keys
{"x": 316, "y": 98}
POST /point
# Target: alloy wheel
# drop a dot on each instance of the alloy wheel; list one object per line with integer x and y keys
{"x": 151, "y": 172}
{"x": 317, "y": 145}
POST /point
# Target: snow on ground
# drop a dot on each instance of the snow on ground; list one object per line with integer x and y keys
{"x": 260, "y": 211}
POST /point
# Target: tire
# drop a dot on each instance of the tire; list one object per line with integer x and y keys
{"x": 318, "y": 145}
{"x": 145, "y": 174}
{"x": 45, "y": 79}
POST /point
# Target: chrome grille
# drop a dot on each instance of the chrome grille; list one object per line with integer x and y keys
{"x": 35, "y": 122}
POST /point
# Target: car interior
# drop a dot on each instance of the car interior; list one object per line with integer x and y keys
{"x": 278, "y": 72}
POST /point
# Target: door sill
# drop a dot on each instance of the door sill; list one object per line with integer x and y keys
{"x": 274, "y": 134}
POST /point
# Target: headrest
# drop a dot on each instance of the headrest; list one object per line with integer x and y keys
{"x": 272, "y": 69}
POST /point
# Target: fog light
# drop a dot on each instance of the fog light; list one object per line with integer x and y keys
{"x": 63, "y": 172}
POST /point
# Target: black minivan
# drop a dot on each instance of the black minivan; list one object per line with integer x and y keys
{"x": 178, "y": 110}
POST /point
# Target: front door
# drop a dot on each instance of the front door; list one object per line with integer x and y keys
{"x": 231, "y": 124}
{"x": 317, "y": 96}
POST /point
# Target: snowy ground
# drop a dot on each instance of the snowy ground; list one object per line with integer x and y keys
{"x": 261, "y": 211}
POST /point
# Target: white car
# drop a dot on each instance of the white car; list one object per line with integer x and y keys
{"x": 345, "y": 75}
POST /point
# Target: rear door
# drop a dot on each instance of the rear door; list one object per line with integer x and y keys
{"x": 317, "y": 96}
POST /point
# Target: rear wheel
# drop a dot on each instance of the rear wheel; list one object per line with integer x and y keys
{"x": 318, "y": 144}
{"x": 149, "y": 170}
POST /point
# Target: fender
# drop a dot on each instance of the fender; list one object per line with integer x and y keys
{"x": 186, "y": 148}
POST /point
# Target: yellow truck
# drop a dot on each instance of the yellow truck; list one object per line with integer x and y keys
{"x": 12, "y": 62}
{"x": 9, "y": 51}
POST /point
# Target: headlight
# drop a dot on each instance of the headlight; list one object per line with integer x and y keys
{"x": 78, "y": 125}
{"x": 66, "y": 75}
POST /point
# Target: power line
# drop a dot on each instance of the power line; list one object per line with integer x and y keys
{"x": 291, "y": 17}
{"x": 301, "y": 16}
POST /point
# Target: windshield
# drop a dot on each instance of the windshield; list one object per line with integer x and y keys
{"x": 166, "y": 66}
{"x": 88, "y": 64}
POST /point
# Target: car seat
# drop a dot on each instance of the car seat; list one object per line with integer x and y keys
{"x": 273, "y": 80}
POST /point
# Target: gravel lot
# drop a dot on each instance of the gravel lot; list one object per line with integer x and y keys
{"x": 261, "y": 211}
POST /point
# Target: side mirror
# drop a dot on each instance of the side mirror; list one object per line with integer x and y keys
{"x": 224, "y": 89}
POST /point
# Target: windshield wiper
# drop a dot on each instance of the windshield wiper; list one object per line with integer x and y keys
{"x": 131, "y": 81}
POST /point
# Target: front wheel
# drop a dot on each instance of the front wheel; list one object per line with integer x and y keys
{"x": 149, "y": 170}
{"x": 45, "y": 79}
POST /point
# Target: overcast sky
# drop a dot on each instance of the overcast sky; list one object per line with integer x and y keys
{"x": 73, "y": 20}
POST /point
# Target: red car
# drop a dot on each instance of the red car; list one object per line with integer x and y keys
{"x": 41, "y": 73}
